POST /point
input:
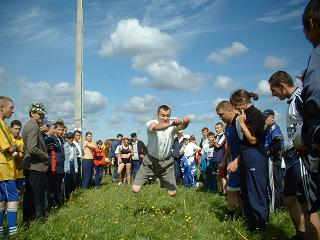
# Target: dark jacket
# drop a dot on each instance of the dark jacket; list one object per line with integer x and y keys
{"x": 176, "y": 146}
{"x": 36, "y": 157}
{"x": 114, "y": 145}
{"x": 57, "y": 157}
{"x": 142, "y": 149}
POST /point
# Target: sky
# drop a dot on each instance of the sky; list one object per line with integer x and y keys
{"x": 140, "y": 54}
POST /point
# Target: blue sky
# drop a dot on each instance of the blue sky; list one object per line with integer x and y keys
{"x": 140, "y": 54}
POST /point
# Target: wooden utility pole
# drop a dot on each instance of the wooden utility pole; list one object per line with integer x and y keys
{"x": 78, "y": 95}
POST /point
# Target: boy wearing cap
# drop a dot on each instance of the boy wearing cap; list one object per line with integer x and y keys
{"x": 158, "y": 162}
{"x": 8, "y": 190}
{"x": 273, "y": 146}
{"x": 35, "y": 164}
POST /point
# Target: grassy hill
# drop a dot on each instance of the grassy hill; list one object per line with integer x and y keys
{"x": 114, "y": 212}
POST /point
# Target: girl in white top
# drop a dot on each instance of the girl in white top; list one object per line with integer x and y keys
{"x": 188, "y": 165}
{"x": 124, "y": 154}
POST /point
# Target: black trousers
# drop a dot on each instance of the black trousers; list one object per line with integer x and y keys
{"x": 35, "y": 201}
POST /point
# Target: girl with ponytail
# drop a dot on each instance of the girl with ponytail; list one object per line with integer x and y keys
{"x": 253, "y": 163}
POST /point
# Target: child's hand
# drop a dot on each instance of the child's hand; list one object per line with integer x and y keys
{"x": 232, "y": 167}
{"x": 242, "y": 117}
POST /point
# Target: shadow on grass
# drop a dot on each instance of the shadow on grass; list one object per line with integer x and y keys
{"x": 274, "y": 232}
{"x": 218, "y": 207}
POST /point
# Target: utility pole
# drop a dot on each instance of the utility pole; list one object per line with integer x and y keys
{"x": 78, "y": 95}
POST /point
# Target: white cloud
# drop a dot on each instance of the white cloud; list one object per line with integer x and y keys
{"x": 144, "y": 44}
{"x": 275, "y": 62}
{"x": 32, "y": 25}
{"x": 280, "y": 16}
{"x": 142, "y": 119}
{"x": 139, "y": 81}
{"x": 94, "y": 102}
{"x": 153, "y": 52}
{"x": 221, "y": 56}
{"x": 217, "y": 101}
{"x": 202, "y": 118}
{"x": 263, "y": 88}
{"x": 115, "y": 119}
{"x": 171, "y": 75}
{"x": 59, "y": 99}
{"x": 142, "y": 104}
{"x": 224, "y": 83}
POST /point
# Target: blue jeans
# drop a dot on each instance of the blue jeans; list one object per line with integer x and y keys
{"x": 98, "y": 176}
{"x": 188, "y": 179}
{"x": 135, "y": 167}
{"x": 87, "y": 172}
{"x": 115, "y": 174}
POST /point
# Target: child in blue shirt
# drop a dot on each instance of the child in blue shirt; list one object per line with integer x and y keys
{"x": 70, "y": 164}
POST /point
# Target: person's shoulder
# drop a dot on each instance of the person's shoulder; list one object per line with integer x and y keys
{"x": 316, "y": 50}
{"x": 256, "y": 110}
{"x": 274, "y": 126}
{"x": 29, "y": 124}
{"x": 153, "y": 121}
{"x": 256, "y": 113}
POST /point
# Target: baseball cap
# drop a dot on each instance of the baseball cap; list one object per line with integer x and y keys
{"x": 267, "y": 113}
{"x": 186, "y": 136}
{"x": 47, "y": 122}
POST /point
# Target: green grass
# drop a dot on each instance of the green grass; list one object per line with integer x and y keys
{"x": 114, "y": 212}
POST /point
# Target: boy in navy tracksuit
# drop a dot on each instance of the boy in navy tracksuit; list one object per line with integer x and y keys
{"x": 56, "y": 166}
{"x": 231, "y": 157}
{"x": 219, "y": 147}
